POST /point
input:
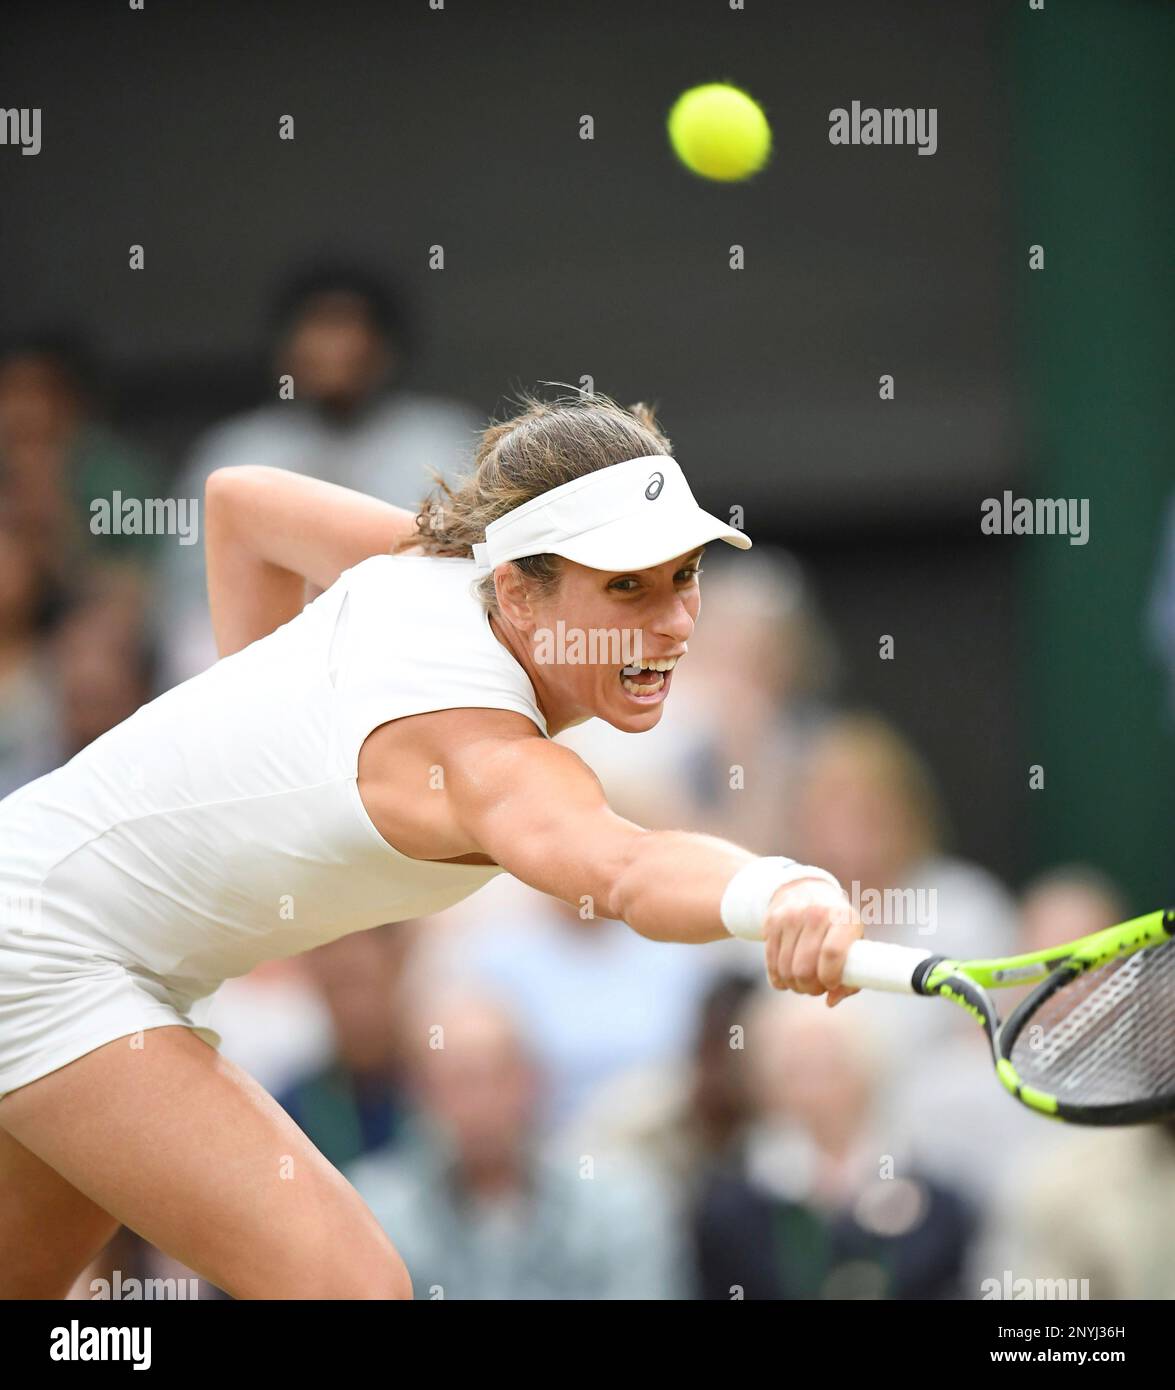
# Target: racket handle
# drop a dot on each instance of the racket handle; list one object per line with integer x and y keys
{"x": 881, "y": 965}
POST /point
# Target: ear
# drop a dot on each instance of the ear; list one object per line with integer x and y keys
{"x": 514, "y": 597}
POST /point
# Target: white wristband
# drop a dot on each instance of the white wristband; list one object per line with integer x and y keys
{"x": 748, "y": 894}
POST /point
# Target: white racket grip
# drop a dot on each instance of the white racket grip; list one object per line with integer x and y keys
{"x": 882, "y": 965}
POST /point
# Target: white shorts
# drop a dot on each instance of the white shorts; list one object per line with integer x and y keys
{"x": 59, "y": 1001}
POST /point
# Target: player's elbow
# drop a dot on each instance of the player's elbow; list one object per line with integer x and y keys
{"x": 221, "y": 488}
{"x": 222, "y": 479}
{"x": 225, "y": 484}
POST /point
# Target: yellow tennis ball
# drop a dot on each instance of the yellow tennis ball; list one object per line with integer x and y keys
{"x": 719, "y": 132}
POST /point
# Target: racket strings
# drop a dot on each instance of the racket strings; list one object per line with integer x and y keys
{"x": 1106, "y": 1037}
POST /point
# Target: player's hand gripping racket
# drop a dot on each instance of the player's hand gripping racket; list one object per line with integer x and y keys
{"x": 1093, "y": 1044}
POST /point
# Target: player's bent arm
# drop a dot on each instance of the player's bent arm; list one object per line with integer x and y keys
{"x": 540, "y": 812}
{"x": 272, "y": 538}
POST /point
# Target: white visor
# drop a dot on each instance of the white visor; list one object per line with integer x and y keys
{"x": 629, "y": 516}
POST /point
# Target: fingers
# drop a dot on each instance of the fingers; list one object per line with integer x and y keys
{"x": 793, "y": 952}
{"x": 802, "y": 970}
{"x": 807, "y": 947}
{"x": 842, "y": 931}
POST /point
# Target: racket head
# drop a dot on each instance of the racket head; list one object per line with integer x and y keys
{"x": 1095, "y": 1043}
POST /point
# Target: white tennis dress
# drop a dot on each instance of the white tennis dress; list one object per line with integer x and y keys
{"x": 221, "y": 824}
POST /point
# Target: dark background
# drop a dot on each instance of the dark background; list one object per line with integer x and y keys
{"x": 565, "y": 257}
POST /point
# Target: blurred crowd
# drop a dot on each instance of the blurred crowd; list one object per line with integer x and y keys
{"x": 538, "y": 1105}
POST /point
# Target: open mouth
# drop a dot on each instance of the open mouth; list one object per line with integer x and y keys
{"x": 645, "y": 680}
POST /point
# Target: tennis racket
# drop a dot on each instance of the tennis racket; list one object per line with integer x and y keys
{"x": 1093, "y": 1044}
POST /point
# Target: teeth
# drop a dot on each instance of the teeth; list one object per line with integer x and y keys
{"x": 647, "y": 688}
{"x": 662, "y": 663}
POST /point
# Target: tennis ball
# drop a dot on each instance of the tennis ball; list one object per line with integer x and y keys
{"x": 719, "y": 132}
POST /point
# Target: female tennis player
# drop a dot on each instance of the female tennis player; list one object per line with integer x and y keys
{"x": 376, "y": 754}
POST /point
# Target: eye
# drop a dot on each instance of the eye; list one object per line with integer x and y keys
{"x": 624, "y": 585}
{"x": 690, "y": 572}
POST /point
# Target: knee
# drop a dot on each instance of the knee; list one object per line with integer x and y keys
{"x": 366, "y": 1266}
{"x": 378, "y": 1277}
{"x": 391, "y": 1281}
{"x": 350, "y": 1269}
{"x": 365, "y": 1263}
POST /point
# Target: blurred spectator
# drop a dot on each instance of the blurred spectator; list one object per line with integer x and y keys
{"x": 1122, "y": 1184}
{"x": 870, "y": 813}
{"x": 101, "y": 667}
{"x": 476, "y": 1206}
{"x": 105, "y": 668}
{"x": 28, "y": 712}
{"x": 820, "y": 1205}
{"x": 682, "y": 1116}
{"x": 593, "y": 998}
{"x": 1066, "y": 903}
{"x": 57, "y": 458}
{"x": 765, "y": 666}
{"x": 342, "y": 338}
{"x": 353, "y": 1103}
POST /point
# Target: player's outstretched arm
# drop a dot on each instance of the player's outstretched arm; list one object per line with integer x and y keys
{"x": 540, "y": 812}
{"x": 272, "y": 537}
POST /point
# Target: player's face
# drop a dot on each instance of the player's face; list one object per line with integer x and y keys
{"x": 606, "y": 642}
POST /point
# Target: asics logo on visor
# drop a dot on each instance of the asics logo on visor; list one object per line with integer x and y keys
{"x": 656, "y": 483}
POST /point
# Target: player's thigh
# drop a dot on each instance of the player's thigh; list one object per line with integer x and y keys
{"x": 188, "y": 1150}
{"x": 49, "y": 1231}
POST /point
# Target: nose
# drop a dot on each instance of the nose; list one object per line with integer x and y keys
{"x": 673, "y": 620}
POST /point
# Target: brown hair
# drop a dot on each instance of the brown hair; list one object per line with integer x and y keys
{"x": 546, "y": 444}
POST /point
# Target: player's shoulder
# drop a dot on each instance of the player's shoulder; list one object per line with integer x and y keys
{"x": 429, "y": 579}
{"x": 466, "y": 742}
{"x": 498, "y": 752}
